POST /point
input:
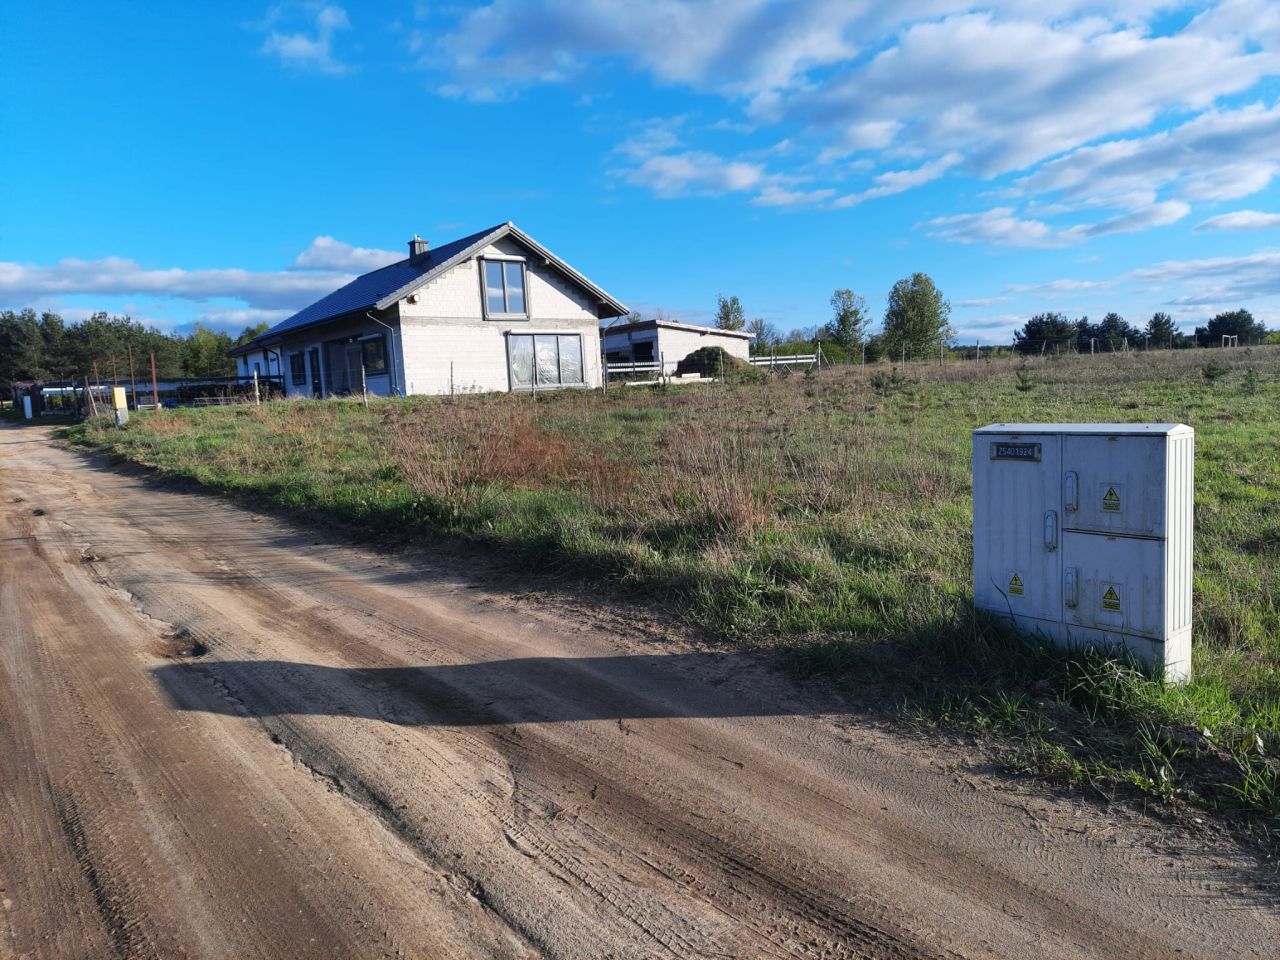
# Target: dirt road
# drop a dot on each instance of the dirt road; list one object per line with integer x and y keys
{"x": 221, "y": 738}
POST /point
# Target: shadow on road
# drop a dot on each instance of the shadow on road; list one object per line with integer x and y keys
{"x": 531, "y": 690}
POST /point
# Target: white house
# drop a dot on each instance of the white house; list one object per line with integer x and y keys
{"x": 492, "y": 311}
{"x": 254, "y": 358}
{"x": 668, "y": 342}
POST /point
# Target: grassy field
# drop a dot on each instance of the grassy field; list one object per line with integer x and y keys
{"x": 830, "y": 516}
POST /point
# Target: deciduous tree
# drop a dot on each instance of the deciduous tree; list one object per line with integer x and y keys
{"x": 916, "y": 319}
{"x": 848, "y": 325}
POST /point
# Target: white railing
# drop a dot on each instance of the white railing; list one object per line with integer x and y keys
{"x": 652, "y": 367}
{"x": 791, "y": 359}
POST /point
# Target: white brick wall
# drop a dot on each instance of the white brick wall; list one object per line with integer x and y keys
{"x": 445, "y": 331}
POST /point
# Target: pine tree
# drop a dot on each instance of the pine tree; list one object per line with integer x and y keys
{"x": 1160, "y": 331}
{"x": 729, "y": 314}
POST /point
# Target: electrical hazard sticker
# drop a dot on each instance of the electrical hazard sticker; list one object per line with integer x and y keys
{"x": 1111, "y": 598}
{"x": 1111, "y": 498}
{"x": 1015, "y": 585}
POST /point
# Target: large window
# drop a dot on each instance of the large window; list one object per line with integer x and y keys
{"x": 373, "y": 353}
{"x": 544, "y": 360}
{"x": 297, "y": 369}
{"x": 504, "y": 287}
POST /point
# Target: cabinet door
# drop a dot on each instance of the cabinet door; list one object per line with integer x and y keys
{"x": 1015, "y": 559}
{"x": 1119, "y": 484}
{"x": 1115, "y": 584}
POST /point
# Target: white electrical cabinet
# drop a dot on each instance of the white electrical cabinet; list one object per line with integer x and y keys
{"x": 1082, "y": 534}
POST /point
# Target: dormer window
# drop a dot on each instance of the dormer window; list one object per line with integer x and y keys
{"x": 504, "y": 288}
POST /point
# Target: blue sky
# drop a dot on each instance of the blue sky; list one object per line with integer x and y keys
{"x": 231, "y": 162}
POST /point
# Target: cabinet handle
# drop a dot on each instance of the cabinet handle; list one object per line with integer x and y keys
{"x": 1069, "y": 586}
{"x": 1051, "y": 529}
{"x": 1071, "y": 492}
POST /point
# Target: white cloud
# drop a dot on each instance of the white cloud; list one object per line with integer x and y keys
{"x": 1156, "y": 215}
{"x": 1019, "y": 84}
{"x": 659, "y": 163}
{"x": 309, "y": 49}
{"x": 1218, "y": 155}
{"x": 326, "y": 253}
{"x": 896, "y": 181}
{"x": 1010, "y": 93}
{"x": 775, "y": 196}
{"x": 239, "y": 319}
{"x": 1216, "y": 280}
{"x": 1242, "y": 220}
{"x": 999, "y": 226}
{"x": 116, "y": 276}
{"x": 1057, "y": 286}
{"x": 695, "y": 171}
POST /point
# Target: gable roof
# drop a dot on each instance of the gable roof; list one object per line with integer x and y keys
{"x": 380, "y": 288}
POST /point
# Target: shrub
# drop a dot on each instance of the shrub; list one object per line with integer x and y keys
{"x": 1214, "y": 370}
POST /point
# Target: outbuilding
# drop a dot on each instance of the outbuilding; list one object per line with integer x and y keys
{"x": 668, "y": 342}
{"x": 492, "y": 311}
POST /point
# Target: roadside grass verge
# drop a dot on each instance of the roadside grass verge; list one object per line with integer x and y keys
{"x": 828, "y": 516}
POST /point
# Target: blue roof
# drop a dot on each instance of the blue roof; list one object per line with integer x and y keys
{"x": 365, "y": 291}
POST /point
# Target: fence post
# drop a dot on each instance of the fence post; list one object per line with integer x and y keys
{"x": 257, "y": 397}
{"x": 133, "y": 380}
{"x": 450, "y": 378}
{"x": 155, "y": 386}
{"x": 364, "y": 385}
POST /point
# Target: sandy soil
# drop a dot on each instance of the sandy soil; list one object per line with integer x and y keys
{"x": 220, "y": 737}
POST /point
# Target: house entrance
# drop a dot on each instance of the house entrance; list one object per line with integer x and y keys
{"x": 317, "y": 387}
{"x": 353, "y": 358}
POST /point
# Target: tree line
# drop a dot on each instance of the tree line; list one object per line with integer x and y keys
{"x": 1055, "y": 333}
{"x": 45, "y": 347}
{"x": 917, "y": 319}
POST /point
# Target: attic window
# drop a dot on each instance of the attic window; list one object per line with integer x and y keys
{"x": 504, "y": 287}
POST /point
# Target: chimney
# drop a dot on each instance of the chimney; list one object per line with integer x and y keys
{"x": 417, "y": 249}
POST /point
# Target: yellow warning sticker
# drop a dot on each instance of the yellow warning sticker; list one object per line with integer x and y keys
{"x": 1015, "y": 584}
{"x": 1111, "y": 499}
{"x": 1111, "y": 598}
